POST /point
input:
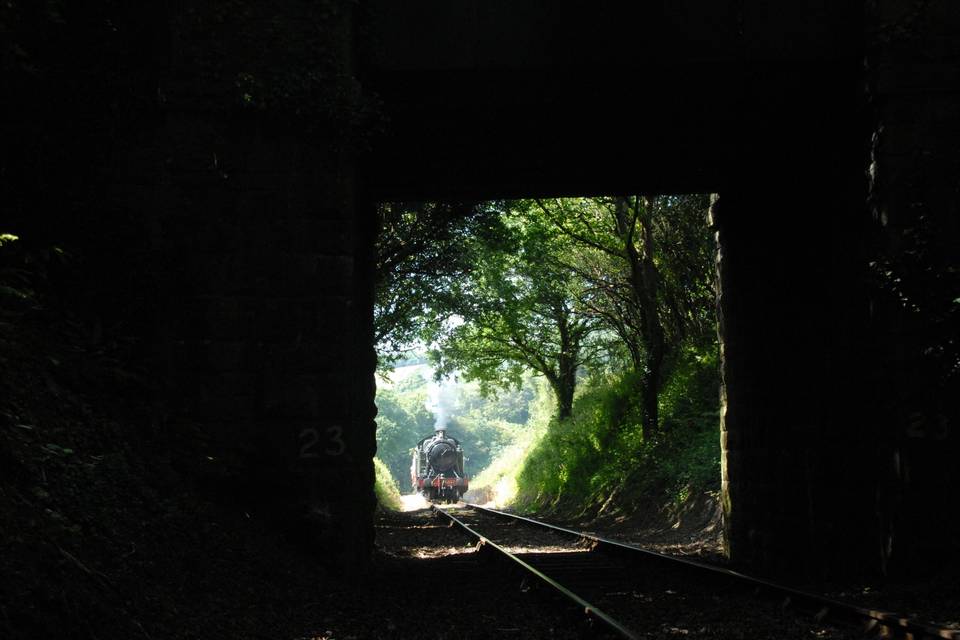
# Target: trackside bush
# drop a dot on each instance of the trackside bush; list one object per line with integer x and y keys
{"x": 385, "y": 486}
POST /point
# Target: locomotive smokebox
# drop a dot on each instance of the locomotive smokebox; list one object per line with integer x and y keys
{"x": 442, "y": 455}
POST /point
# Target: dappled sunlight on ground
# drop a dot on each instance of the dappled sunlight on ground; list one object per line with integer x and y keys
{"x": 518, "y": 540}
{"x": 408, "y": 541}
{"x": 521, "y": 549}
{"x": 437, "y": 552}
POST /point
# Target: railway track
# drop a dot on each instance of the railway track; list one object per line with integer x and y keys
{"x": 629, "y": 592}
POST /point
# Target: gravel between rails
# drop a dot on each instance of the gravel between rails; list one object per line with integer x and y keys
{"x": 429, "y": 581}
{"x": 653, "y": 599}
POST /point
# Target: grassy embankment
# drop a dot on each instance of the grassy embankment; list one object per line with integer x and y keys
{"x": 601, "y": 462}
{"x": 385, "y": 487}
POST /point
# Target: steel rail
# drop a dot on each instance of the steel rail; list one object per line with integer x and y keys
{"x": 590, "y": 610}
{"x": 901, "y": 625}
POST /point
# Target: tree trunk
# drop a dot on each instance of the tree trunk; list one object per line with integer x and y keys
{"x": 653, "y": 327}
{"x": 564, "y": 393}
{"x": 644, "y": 281}
{"x": 565, "y": 382}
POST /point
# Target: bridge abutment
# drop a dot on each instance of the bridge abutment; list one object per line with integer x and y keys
{"x": 261, "y": 264}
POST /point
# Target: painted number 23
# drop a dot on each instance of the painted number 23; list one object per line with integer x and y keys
{"x": 315, "y": 445}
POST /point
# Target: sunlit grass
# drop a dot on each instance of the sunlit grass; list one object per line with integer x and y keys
{"x": 601, "y": 457}
{"x": 501, "y": 476}
{"x": 385, "y": 487}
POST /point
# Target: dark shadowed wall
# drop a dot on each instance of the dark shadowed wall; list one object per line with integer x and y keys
{"x": 217, "y": 167}
{"x": 767, "y": 107}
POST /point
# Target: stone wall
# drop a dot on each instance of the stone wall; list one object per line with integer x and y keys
{"x": 914, "y": 87}
{"x": 837, "y": 313}
{"x": 790, "y": 223}
{"x": 252, "y": 249}
{"x": 194, "y": 161}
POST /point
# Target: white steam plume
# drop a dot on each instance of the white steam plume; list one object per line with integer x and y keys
{"x": 435, "y": 404}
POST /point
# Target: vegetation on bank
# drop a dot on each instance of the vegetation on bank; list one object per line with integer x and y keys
{"x": 385, "y": 487}
{"x": 601, "y": 459}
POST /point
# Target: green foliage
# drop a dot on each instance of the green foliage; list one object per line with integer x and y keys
{"x": 601, "y": 457}
{"x": 424, "y": 251}
{"x": 643, "y": 265}
{"x": 401, "y": 421}
{"x": 385, "y": 486}
{"x": 483, "y": 438}
{"x": 517, "y": 313}
{"x": 612, "y": 294}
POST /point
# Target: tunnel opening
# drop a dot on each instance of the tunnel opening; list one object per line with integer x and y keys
{"x": 570, "y": 345}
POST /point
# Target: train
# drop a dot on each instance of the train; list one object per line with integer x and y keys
{"x": 437, "y": 470}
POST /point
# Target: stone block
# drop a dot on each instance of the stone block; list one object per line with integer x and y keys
{"x": 295, "y": 357}
{"x": 336, "y": 212}
{"x": 303, "y": 321}
{"x": 335, "y": 275}
{"x": 209, "y": 355}
{"x": 244, "y": 383}
{"x": 330, "y": 237}
{"x": 223, "y": 408}
{"x": 298, "y": 396}
{"x": 228, "y": 326}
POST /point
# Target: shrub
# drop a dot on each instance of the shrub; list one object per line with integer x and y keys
{"x": 385, "y": 487}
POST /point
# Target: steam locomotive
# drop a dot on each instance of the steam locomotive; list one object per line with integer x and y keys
{"x": 437, "y": 468}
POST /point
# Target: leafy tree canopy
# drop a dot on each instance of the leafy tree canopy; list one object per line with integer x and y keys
{"x": 517, "y": 311}
{"x": 423, "y": 252}
{"x": 559, "y": 287}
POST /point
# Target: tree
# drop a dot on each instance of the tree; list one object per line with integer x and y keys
{"x": 645, "y": 262}
{"x": 423, "y": 251}
{"x": 516, "y": 311}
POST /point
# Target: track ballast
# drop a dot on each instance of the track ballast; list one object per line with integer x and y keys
{"x": 630, "y": 592}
